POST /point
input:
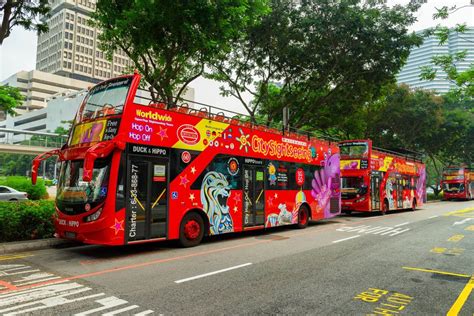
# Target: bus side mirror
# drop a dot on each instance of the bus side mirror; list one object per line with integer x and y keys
{"x": 88, "y": 166}
{"x": 34, "y": 170}
{"x": 38, "y": 159}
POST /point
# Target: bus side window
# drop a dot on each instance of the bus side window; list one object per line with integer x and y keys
{"x": 177, "y": 163}
{"x": 278, "y": 175}
{"x": 406, "y": 183}
{"x": 220, "y": 164}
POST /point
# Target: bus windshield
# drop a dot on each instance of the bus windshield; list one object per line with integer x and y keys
{"x": 76, "y": 196}
{"x": 453, "y": 187}
{"x": 105, "y": 99}
{"x": 354, "y": 150}
{"x": 353, "y": 184}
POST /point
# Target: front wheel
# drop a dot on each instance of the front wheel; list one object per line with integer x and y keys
{"x": 303, "y": 217}
{"x": 191, "y": 230}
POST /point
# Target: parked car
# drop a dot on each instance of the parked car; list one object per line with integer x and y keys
{"x": 10, "y": 194}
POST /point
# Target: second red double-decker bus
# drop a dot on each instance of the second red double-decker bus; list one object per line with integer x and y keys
{"x": 458, "y": 183}
{"x": 374, "y": 179}
{"x": 135, "y": 171}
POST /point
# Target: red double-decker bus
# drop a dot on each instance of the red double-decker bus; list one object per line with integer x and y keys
{"x": 458, "y": 183}
{"x": 135, "y": 171}
{"x": 374, "y": 179}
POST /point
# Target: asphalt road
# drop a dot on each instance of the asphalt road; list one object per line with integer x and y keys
{"x": 404, "y": 263}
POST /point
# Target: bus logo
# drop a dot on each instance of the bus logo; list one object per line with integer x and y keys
{"x": 185, "y": 156}
{"x": 188, "y": 134}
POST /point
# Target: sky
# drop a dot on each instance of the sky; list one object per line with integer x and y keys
{"x": 18, "y": 51}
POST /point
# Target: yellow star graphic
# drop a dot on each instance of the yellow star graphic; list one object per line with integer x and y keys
{"x": 191, "y": 197}
{"x": 193, "y": 170}
{"x": 235, "y": 209}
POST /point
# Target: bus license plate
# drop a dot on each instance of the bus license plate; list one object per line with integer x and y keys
{"x": 71, "y": 235}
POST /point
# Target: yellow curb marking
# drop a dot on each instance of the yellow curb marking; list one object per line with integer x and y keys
{"x": 462, "y": 298}
{"x": 438, "y": 272}
{"x": 15, "y": 256}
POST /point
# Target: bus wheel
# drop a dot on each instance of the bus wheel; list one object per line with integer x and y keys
{"x": 347, "y": 212}
{"x": 191, "y": 230}
{"x": 384, "y": 208}
{"x": 303, "y": 217}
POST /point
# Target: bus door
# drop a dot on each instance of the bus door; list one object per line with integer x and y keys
{"x": 253, "y": 194}
{"x": 147, "y": 198}
{"x": 375, "y": 180}
{"x": 399, "y": 189}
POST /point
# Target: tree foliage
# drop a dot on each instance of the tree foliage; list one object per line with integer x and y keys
{"x": 448, "y": 64}
{"x": 322, "y": 57}
{"x": 441, "y": 128}
{"x": 10, "y": 98}
{"x": 170, "y": 42}
{"x": 24, "y": 13}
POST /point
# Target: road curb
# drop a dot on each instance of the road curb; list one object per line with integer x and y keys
{"x": 29, "y": 245}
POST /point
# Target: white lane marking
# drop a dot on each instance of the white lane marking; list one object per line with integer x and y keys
{"x": 396, "y": 231}
{"x": 367, "y": 229}
{"x": 120, "y": 310}
{"x": 212, "y": 273}
{"x": 402, "y": 224}
{"x": 147, "y": 312}
{"x": 336, "y": 241}
{"x": 37, "y": 281}
{"x": 106, "y": 303}
{"x": 463, "y": 221}
{"x": 433, "y": 216}
{"x": 50, "y": 296}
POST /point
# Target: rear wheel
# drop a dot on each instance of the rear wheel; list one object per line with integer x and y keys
{"x": 303, "y": 217}
{"x": 191, "y": 230}
{"x": 384, "y": 208}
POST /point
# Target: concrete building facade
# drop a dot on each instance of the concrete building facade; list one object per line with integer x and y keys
{"x": 38, "y": 87}
{"x": 422, "y": 56}
{"x": 71, "y": 47}
{"x": 61, "y": 109}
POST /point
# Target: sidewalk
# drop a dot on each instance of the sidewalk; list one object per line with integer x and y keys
{"x": 30, "y": 245}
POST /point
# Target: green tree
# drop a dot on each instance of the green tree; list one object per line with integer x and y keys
{"x": 171, "y": 41}
{"x": 257, "y": 59}
{"x": 448, "y": 63}
{"x": 439, "y": 127}
{"x": 322, "y": 57}
{"x": 24, "y": 13}
{"x": 10, "y": 98}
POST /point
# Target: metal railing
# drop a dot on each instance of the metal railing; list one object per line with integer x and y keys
{"x": 9, "y": 136}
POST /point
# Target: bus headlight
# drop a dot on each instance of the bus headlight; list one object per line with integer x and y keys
{"x": 362, "y": 199}
{"x": 94, "y": 216}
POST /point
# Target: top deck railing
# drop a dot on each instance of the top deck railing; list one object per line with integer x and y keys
{"x": 414, "y": 156}
{"x": 235, "y": 118}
